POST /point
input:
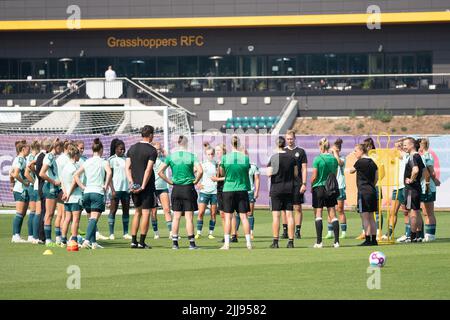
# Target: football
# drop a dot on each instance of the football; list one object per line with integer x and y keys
{"x": 377, "y": 259}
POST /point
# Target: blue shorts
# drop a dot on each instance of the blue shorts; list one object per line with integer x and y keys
{"x": 399, "y": 195}
{"x": 21, "y": 196}
{"x": 50, "y": 191}
{"x": 94, "y": 202}
{"x": 251, "y": 197}
{"x": 159, "y": 192}
{"x": 71, "y": 207}
{"x": 428, "y": 197}
{"x": 207, "y": 198}
{"x": 342, "y": 195}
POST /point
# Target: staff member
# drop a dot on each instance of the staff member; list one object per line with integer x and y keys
{"x": 413, "y": 175}
{"x": 235, "y": 166}
{"x": 184, "y": 165}
{"x": 324, "y": 165}
{"x": 283, "y": 170}
{"x": 300, "y": 181}
{"x": 139, "y": 164}
{"x": 366, "y": 179}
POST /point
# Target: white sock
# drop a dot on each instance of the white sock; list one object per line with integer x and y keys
{"x": 227, "y": 239}
{"x": 247, "y": 238}
{"x": 199, "y": 232}
{"x": 210, "y": 232}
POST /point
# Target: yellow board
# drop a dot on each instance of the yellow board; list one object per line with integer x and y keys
{"x": 350, "y": 181}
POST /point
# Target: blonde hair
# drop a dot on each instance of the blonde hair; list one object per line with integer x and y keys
{"x": 324, "y": 144}
{"x": 72, "y": 150}
{"x": 425, "y": 142}
{"x": 223, "y": 147}
{"x": 290, "y": 133}
{"x": 36, "y": 145}
{"x": 47, "y": 144}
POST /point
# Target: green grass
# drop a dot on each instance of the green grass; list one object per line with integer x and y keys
{"x": 413, "y": 271}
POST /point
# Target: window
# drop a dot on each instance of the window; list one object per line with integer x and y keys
{"x": 188, "y": 66}
{"x": 317, "y": 64}
{"x": 392, "y": 63}
{"x": 4, "y": 69}
{"x": 103, "y": 64}
{"x": 87, "y": 68}
{"x": 357, "y": 64}
{"x": 252, "y": 66}
{"x": 408, "y": 64}
{"x": 424, "y": 64}
{"x": 167, "y": 67}
{"x": 336, "y": 63}
{"x": 302, "y": 62}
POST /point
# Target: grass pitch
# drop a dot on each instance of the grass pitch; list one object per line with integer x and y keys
{"x": 413, "y": 271}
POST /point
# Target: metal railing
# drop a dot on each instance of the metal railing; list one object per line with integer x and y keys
{"x": 313, "y": 83}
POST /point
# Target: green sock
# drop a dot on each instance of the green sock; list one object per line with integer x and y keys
{"x": 408, "y": 230}
{"x": 212, "y": 225}
{"x": 17, "y": 223}
{"x": 90, "y": 232}
{"x": 125, "y": 222}
{"x": 199, "y": 225}
{"x": 169, "y": 225}
{"x": 111, "y": 221}
{"x": 36, "y": 226}
{"x": 155, "y": 225}
{"x": 330, "y": 227}
{"x": 251, "y": 221}
{"x": 343, "y": 227}
{"x": 30, "y": 223}
{"x": 430, "y": 229}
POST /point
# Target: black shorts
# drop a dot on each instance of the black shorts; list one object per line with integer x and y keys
{"x": 145, "y": 199}
{"x": 320, "y": 198}
{"x": 219, "y": 200}
{"x": 282, "y": 201}
{"x": 236, "y": 201}
{"x": 367, "y": 202}
{"x": 298, "y": 197}
{"x": 412, "y": 199}
{"x": 184, "y": 198}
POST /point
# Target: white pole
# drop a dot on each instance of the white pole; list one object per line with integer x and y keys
{"x": 166, "y": 128}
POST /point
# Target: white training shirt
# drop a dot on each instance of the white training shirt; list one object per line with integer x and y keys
{"x": 94, "y": 170}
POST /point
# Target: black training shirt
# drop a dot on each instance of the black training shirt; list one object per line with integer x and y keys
{"x": 366, "y": 170}
{"x": 300, "y": 157}
{"x": 140, "y": 154}
{"x": 282, "y": 179}
{"x": 414, "y": 160}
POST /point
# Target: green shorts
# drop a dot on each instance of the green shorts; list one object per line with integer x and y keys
{"x": 21, "y": 196}
{"x": 50, "y": 191}
{"x": 428, "y": 197}
{"x": 399, "y": 195}
{"x": 34, "y": 195}
{"x": 207, "y": 198}
{"x": 251, "y": 197}
{"x": 71, "y": 207}
{"x": 94, "y": 202}
{"x": 342, "y": 195}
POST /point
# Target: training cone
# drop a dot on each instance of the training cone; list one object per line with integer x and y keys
{"x": 72, "y": 247}
{"x": 48, "y": 252}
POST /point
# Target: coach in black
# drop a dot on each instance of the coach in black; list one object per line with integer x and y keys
{"x": 283, "y": 170}
{"x": 139, "y": 169}
{"x": 300, "y": 182}
{"x": 413, "y": 175}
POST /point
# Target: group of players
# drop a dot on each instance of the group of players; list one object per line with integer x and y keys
{"x": 53, "y": 175}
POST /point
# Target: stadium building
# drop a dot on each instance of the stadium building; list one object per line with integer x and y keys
{"x": 223, "y": 59}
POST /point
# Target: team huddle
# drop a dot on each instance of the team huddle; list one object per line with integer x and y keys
{"x": 51, "y": 176}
